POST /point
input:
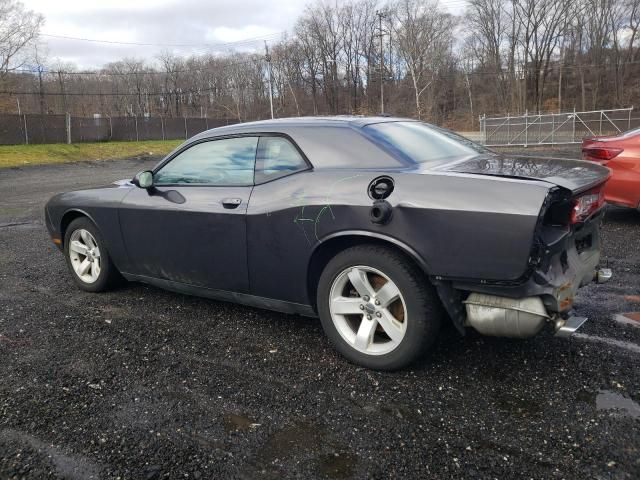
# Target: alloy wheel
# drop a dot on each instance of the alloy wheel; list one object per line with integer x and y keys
{"x": 84, "y": 255}
{"x": 368, "y": 310}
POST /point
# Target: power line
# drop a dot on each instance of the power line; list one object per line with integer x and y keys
{"x": 103, "y": 73}
{"x": 186, "y": 92}
{"x": 143, "y": 44}
{"x": 553, "y": 66}
{"x": 202, "y": 91}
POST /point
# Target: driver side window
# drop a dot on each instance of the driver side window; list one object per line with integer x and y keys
{"x": 225, "y": 162}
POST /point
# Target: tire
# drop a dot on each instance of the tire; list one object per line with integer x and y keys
{"x": 366, "y": 334}
{"x": 101, "y": 274}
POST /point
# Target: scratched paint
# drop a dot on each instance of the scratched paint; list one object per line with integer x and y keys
{"x": 301, "y": 218}
{"x": 327, "y": 203}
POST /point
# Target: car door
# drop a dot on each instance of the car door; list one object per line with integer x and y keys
{"x": 190, "y": 227}
{"x": 277, "y": 245}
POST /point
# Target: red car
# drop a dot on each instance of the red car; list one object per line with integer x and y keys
{"x": 621, "y": 154}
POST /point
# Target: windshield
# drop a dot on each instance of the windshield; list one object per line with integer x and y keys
{"x": 421, "y": 143}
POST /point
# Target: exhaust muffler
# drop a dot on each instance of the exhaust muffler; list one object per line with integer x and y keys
{"x": 505, "y": 317}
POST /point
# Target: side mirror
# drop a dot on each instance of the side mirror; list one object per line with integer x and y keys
{"x": 143, "y": 179}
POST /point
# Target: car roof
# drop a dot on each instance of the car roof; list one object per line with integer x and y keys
{"x": 281, "y": 124}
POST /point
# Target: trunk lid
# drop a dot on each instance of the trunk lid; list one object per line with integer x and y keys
{"x": 574, "y": 175}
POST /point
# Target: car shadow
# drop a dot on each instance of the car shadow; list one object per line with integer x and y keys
{"x": 450, "y": 348}
{"x": 621, "y": 215}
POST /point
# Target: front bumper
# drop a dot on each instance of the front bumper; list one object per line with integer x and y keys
{"x": 54, "y": 233}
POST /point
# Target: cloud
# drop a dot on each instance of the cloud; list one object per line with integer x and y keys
{"x": 158, "y": 21}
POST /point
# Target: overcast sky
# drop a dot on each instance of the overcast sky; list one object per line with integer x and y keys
{"x": 203, "y": 23}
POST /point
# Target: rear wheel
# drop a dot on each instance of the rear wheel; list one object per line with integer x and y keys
{"x": 87, "y": 257}
{"x": 377, "y": 308}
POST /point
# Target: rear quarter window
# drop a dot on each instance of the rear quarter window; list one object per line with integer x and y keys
{"x": 418, "y": 142}
{"x": 341, "y": 147}
{"x": 277, "y": 157}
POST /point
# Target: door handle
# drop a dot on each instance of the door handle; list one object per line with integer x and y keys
{"x": 231, "y": 202}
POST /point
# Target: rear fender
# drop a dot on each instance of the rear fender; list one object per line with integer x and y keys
{"x": 337, "y": 241}
{"x": 421, "y": 262}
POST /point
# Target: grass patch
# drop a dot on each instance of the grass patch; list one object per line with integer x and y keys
{"x": 20, "y": 155}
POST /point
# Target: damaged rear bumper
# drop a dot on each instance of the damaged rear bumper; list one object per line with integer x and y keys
{"x": 569, "y": 261}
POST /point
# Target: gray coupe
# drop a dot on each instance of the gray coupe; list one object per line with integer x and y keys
{"x": 382, "y": 227}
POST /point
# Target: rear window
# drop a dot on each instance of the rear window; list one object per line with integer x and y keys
{"x": 422, "y": 143}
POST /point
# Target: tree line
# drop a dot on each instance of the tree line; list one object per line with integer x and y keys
{"x": 404, "y": 57}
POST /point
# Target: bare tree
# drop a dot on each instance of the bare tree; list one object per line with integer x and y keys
{"x": 174, "y": 69}
{"x": 357, "y": 24}
{"x": 423, "y": 35}
{"x": 323, "y": 27}
{"x": 512, "y": 55}
{"x": 19, "y": 28}
{"x": 543, "y": 23}
{"x": 625, "y": 23}
{"x": 488, "y": 21}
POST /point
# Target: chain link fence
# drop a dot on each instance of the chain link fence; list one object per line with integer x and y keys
{"x": 36, "y": 129}
{"x": 555, "y": 128}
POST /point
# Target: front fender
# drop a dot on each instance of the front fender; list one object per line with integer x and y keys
{"x": 100, "y": 206}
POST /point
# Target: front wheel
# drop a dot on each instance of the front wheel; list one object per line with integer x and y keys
{"x": 87, "y": 257}
{"x": 377, "y": 307}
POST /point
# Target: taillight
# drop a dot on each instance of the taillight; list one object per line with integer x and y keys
{"x": 600, "y": 154}
{"x": 586, "y": 204}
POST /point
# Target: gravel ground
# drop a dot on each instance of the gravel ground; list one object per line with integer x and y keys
{"x": 141, "y": 383}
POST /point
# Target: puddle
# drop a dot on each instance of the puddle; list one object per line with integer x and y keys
{"x": 400, "y": 412}
{"x": 235, "y": 423}
{"x": 338, "y": 465}
{"x": 489, "y": 444}
{"x": 206, "y": 442}
{"x": 298, "y": 438}
{"x": 632, "y": 347}
{"x": 608, "y": 400}
{"x": 518, "y": 406}
{"x": 631, "y": 318}
{"x": 65, "y": 465}
{"x": 307, "y": 440}
{"x": 585, "y": 396}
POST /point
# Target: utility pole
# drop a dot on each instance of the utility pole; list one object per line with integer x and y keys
{"x": 560, "y": 78}
{"x": 268, "y": 58}
{"x": 62, "y": 91}
{"x": 40, "y": 83}
{"x": 381, "y": 15}
{"x": 41, "y": 90}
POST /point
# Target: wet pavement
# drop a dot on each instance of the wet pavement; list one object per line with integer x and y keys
{"x": 141, "y": 383}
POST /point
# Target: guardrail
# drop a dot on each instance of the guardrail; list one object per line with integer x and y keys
{"x": 554, "y": 128}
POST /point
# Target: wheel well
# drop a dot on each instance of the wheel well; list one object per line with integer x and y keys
{"x": 67, "y": 218}
{"x": 325, "y": 252}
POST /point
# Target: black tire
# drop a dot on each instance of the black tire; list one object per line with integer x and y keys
{"x": 109, "y": 275}
{"x": 424, "y": 310}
